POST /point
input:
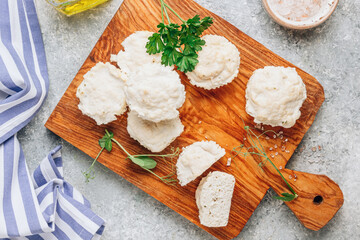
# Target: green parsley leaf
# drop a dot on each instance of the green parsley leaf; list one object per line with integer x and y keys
{"x": 155, "y": 44}
{"x": 187, "y": 63}
{"x": 105, "y": 141}
{"x": 170, "y": 56}
{"x": 179, "y": 45}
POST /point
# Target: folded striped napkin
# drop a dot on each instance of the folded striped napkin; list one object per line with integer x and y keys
{"x": 43, "y": 206}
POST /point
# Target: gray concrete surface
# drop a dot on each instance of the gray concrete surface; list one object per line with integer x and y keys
{"x": 330, "y": 52}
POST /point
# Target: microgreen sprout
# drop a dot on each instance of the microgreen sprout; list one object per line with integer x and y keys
{"x": 145, "y": 161}
{"x": 179, "y": 44}
{"x": 257, "y": 149}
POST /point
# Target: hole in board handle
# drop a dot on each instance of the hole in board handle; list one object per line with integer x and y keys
{"x": 318, "y": 199}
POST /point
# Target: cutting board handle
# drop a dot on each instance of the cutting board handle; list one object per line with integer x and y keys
{"x": 319, "y": 197}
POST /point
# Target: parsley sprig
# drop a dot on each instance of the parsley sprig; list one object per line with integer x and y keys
{"x": 257, "y": 148}
{"x": 145, "y": 161}
{"x": 179, "y": 44}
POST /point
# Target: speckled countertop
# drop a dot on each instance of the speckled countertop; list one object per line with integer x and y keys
{"x": 330, "y": 52}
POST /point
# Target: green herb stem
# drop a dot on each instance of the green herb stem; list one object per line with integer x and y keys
{"x": 261, "y": 152}
{"x": 164, "y": 9}
{"x": 174, "y": 12}
{"x": 155, "y": 155}
{"x": 144, "y": 161}
{"x": 89, "y": 174}
{"x": 115, "y": 141}
{"x": 102, "y": 149}
{"x": 287, "y": 183}
{"x": 268, "y": 159}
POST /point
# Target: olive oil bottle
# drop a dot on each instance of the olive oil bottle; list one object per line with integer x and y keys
{"x": 71, "y": 7}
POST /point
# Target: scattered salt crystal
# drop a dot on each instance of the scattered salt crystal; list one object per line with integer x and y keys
{"x": 286, "y": 140}
{"x": 290, "y": 177}
{"x": 295, "y": 175}
{"x": 200, "y": 122}
{"x": 281, "y": 136}
{"x": 275, "y": 146}
{"x": 272, "y": 155}
{"x": 276, "y": 153}
{"x": 294, "y": 179}
{"x": 287, "y": 151}
{"x": 267, "y": 138}
{"x": 280, "y": 167}
{"x": 206, "y": 137}
{"x": 271, "y": 149}
{"x": 282, "y": 148}
{"x": 274, "y": 136}
{"x": 244, "y": 139}
{"x": 228, "y": 162}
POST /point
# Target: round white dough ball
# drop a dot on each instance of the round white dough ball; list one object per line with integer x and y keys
{"x": 218, "y": 64}
{"x": 155, "y": 92}
{"x": 101, "y": 93}
{"x": 274, "y": 96}
{"x": 134, "y": 54}
{"x": 153, "y": 136}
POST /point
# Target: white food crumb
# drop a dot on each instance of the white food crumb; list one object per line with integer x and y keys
{"x": 228, "y": 162}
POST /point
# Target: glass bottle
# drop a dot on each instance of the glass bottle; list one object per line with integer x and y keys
{"x": 71, "y": 7}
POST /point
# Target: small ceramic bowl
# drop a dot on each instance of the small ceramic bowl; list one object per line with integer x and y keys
{"x": 325, "y": 12}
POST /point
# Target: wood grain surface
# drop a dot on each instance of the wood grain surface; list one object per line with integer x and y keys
{"x": 213, "y": 115}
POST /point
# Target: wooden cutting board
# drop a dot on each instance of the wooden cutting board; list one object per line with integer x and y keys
{"x": 212, "y": 115}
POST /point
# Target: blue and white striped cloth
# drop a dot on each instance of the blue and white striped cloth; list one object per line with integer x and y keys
{"x": 43, "y": 206}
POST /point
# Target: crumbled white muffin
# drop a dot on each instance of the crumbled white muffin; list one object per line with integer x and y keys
{"x": 274, "y": 96}
{"x": 101, "y": 93}
{"x": 218, "y": 64}
{"x": 196, "y": 159}
{"x": 134, "y": 54}
{"x": 153, "y": 136}
{"x": 155, "y": 92}
{"x": 213, "y": 198}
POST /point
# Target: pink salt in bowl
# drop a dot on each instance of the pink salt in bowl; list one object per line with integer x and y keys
{"x": 300, "y": 14}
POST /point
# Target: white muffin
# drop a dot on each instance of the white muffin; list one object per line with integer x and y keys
{"x": 153, "y": 136}
{"x": 101, "y": 93}
{"x": 196, "y": 159}
{"x": 134, "y": 54}
{"x": 155, "y": 92}
{"x": 274, "y": 96}
{"x": 213, "y": 198}
{"x": 218, "y": 64}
